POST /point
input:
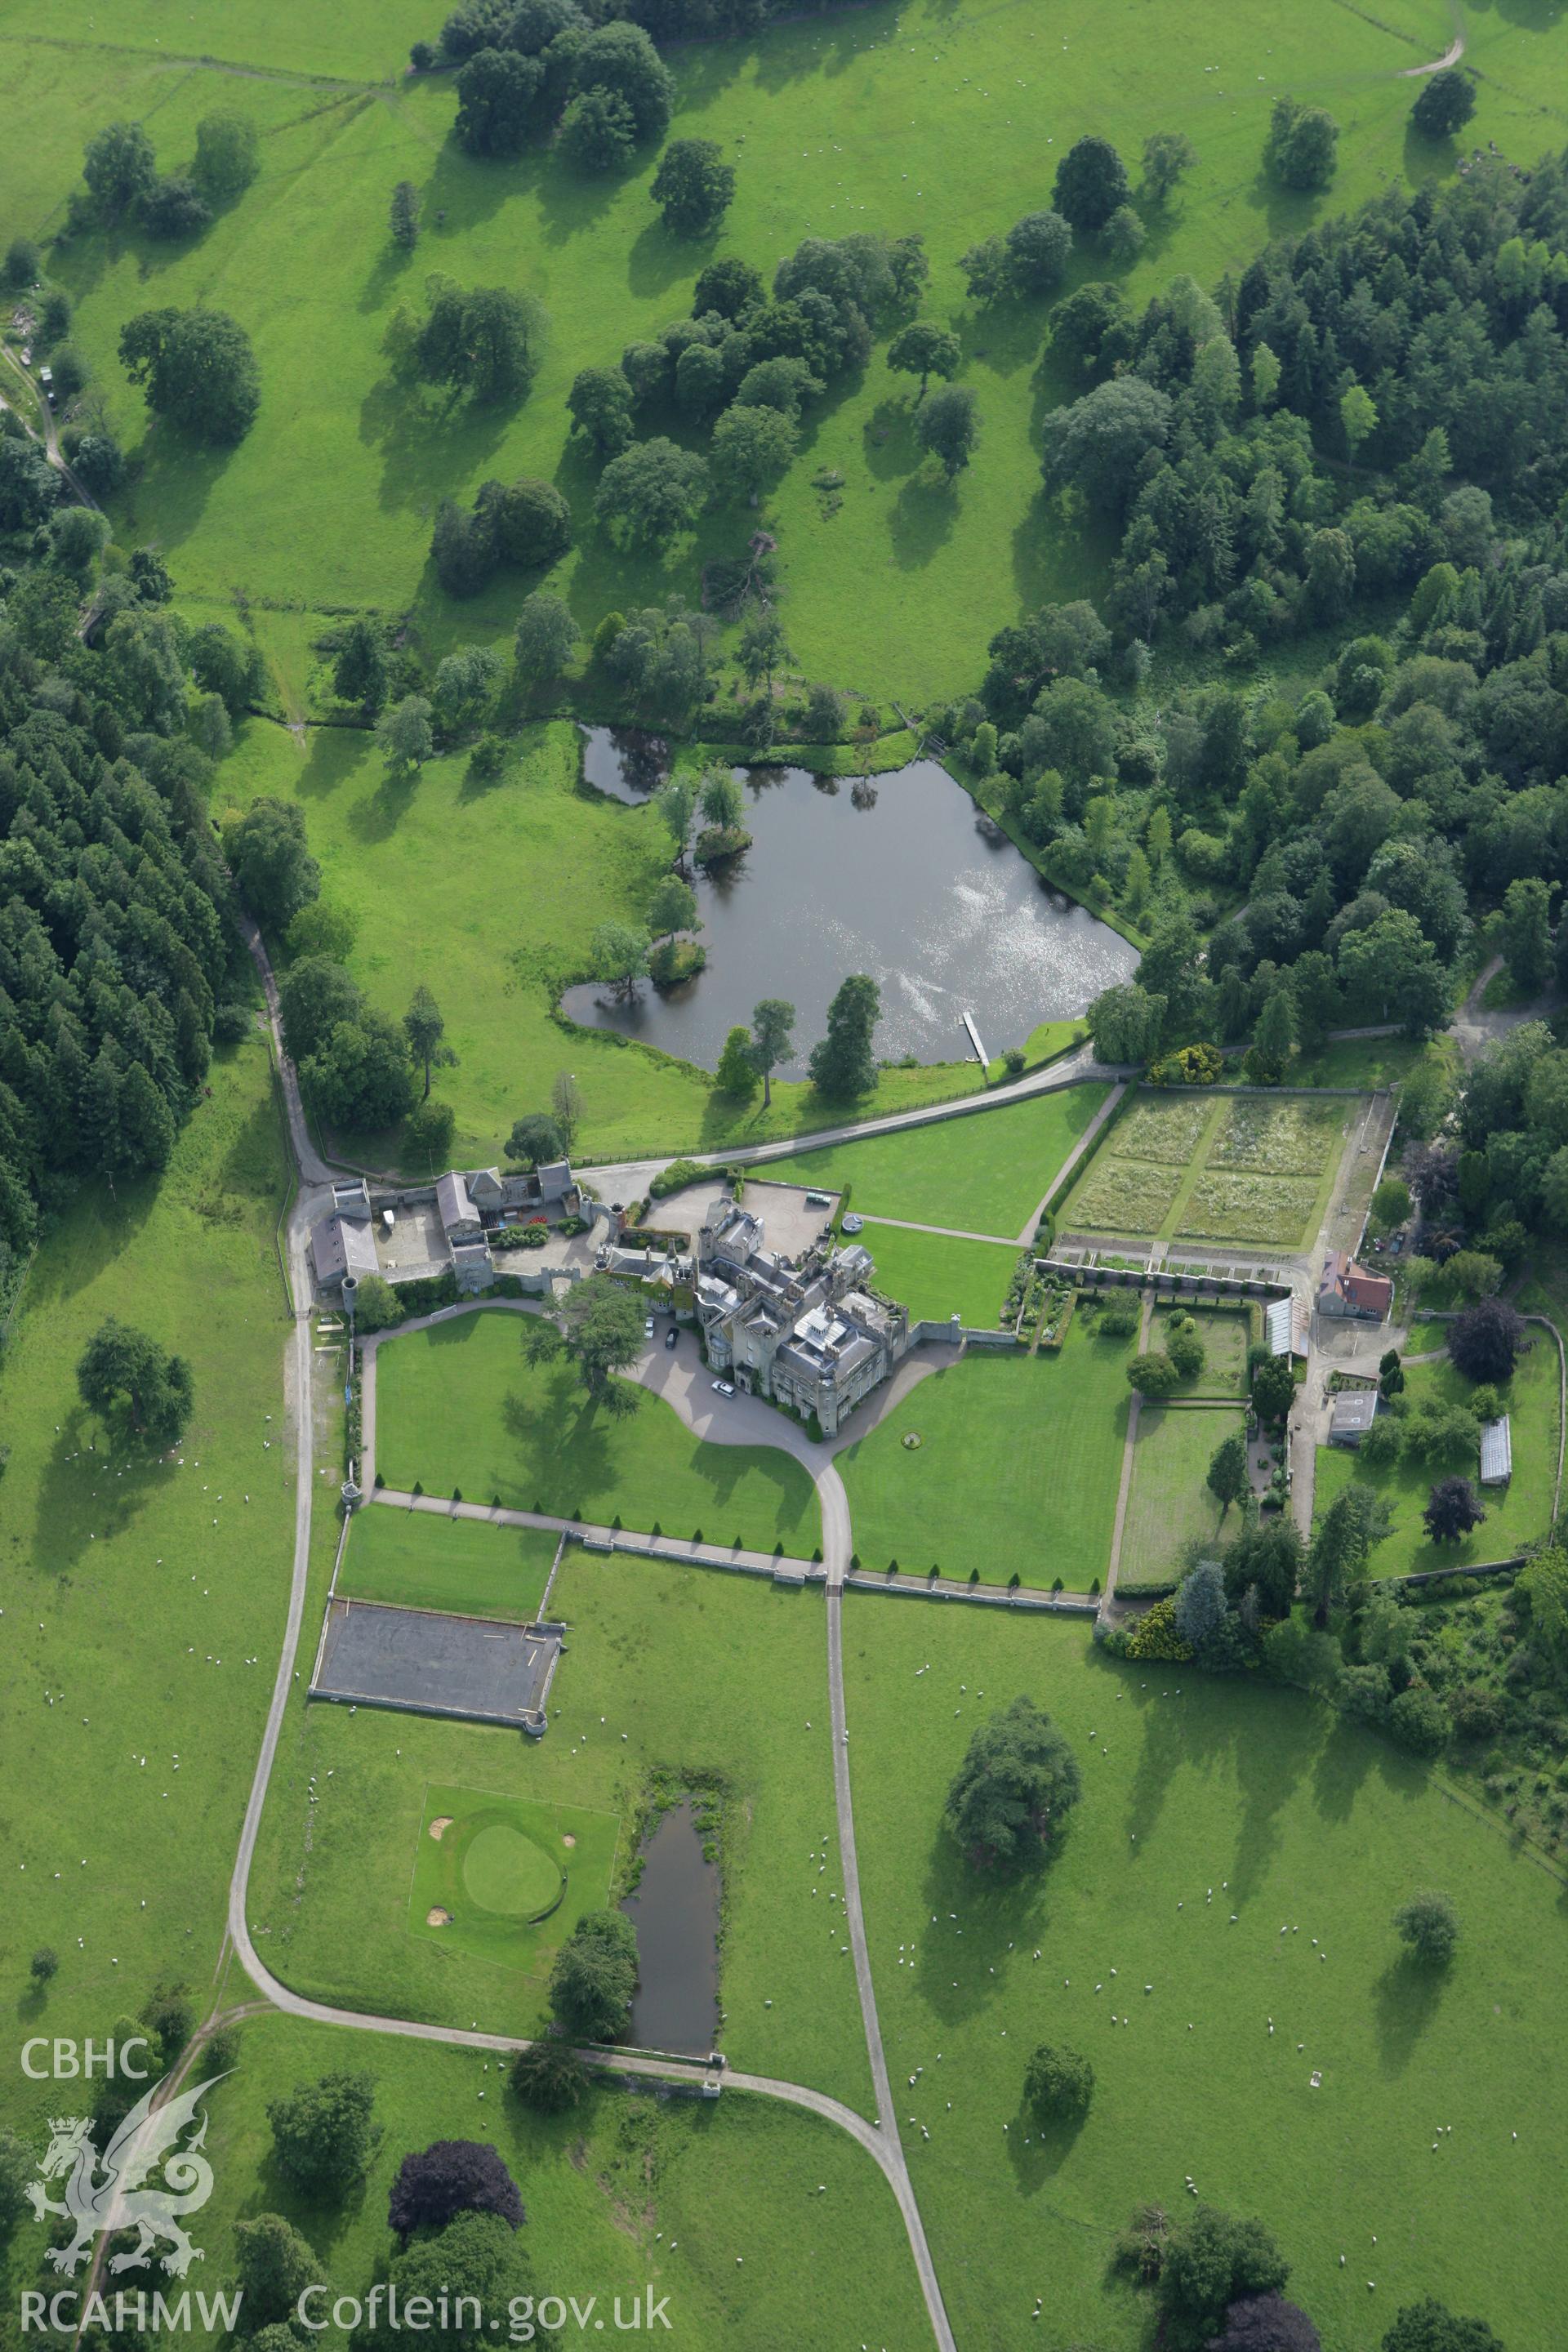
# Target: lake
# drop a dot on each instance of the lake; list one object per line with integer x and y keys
{"x": 899, "y": 876}
{"x": 676, "y": 1914}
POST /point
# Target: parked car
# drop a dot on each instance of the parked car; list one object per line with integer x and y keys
{"x": 818, "y": 1199}
{"x": 671, "y": 1335}
{"x": 723, "y": 1388}
{"x": 648, "y": 1328}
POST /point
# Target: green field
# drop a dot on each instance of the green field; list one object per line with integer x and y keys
{"x": 506, "y": 1879}
{"x": 1224, "y": 1334}
{"x": 1293, "y": 1819}
{"x": 937, "y": 1274}
{"x": 1516, "y": 1514}
{"x": 1169, "y": 1507}
{"x": 624, "y": 2192}
{"x": 417, "y": 1560}
{"x": 161, "y": 1584}
{"x": 457, "y": 1406}
{"x": 1223, "y": 1168}
{"x": 890, "y": 120}
{"x": 718, "y": 1682}
{"x": 1016, "y": 1469}
{"x": 986, "y": 1173}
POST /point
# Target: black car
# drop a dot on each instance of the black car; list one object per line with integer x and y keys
{"x": 671, "y": 1335}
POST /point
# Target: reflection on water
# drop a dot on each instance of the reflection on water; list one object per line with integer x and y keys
{"x": 895, "y": 875}
{"x": 627, "y": 763}
{"x": 676, "y": 1914}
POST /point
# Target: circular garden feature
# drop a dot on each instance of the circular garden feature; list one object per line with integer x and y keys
{"x": 509, "y": 1874}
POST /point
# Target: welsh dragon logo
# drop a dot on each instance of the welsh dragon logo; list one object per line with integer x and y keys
{"x": 121, "y": 2190}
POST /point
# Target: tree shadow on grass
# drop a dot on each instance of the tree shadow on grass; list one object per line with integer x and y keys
{"x": 95, "y": 1497}
{"x": 426, "y": 446}
{"x": 659, "y": 259}
{"x": 887, "y": 438}
{"x": 1267, "y": 1765}
{"x": 964, "y": 1961}
{"x": 1037, "y": 2151}
{"x": 377, "y": 815}
{"x": 1409, "y": 1994}
{"x": 922, "y": 520}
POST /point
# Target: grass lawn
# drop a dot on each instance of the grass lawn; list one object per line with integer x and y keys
{"x": 1223, "y": 1335}
{"x": 412, "y": 1559}
{"x": 714, "y": 1679}
{"x": 894, "y": 583}
{"x": 1016, "y": 1468}
{"x": 457, "y": 1406}
{"x": 936, "y": 1276}
{"x": 136, "y": 1590}
{"x": 1169, "y": 1505}
{"x": 986, "y": 1173}
{"x": 625, "y": 2191}
{"x": 1515, "y": 1514}
{"x": 1292, "y": 1818}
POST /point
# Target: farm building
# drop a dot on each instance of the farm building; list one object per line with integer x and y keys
{"x": 1347, "y": 1289}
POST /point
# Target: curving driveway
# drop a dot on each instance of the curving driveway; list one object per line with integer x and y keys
{"x": 674, "y": 1373}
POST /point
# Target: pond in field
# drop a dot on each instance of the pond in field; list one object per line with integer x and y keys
{"x": 898, "y": 876}
{"x": 676, "y": 1914}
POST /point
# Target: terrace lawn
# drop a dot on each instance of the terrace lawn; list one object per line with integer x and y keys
{"x": 414, "y": 1559}
{"x": 136, "y": 1590}
{"x": 875, "y": 118}
{"x": 624, "y": 2193}
{"x": 1170, "y": 1507}
{"x": 1016, "y": 1469}
{"x": 457, "y": 1406}
{"x": 1292, "y": 1817}
{"x": 508, "y": 884}
{"x": 1516, "y": 1514}
{"x": 986, "y": 1173}
{"x": 714, "y": 1679}
{"x": 936, "y": 1276}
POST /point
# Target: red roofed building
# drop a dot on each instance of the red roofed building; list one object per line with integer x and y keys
{"x": 1348, "y": 1290}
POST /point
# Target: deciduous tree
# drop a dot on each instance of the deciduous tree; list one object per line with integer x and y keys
{"x": 1010, "y": 1799}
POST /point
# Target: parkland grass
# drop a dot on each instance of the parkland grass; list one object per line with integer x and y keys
{"x": 457, "y": 1406}
{"x": 986, "y": 1173}
{"x": 417, "y": 1560}
{"x": 718, "y": 1684}
{"x": 1169, "y": 1505}
{"x": 626, "y": 2192}
{"x": 1515, "y": 1514}
{"x": 877, "y": 118}
{"x": 1016, "y": 1472}
{"x": 144, "y": 1598}
{"x": 1293, "y": 1818}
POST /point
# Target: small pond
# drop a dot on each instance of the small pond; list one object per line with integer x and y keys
{"x": 676, "y": 1914}
{"x": 898, "y": 876}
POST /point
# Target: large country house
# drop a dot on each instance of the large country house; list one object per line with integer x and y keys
{"x": 812, "y": 1334}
